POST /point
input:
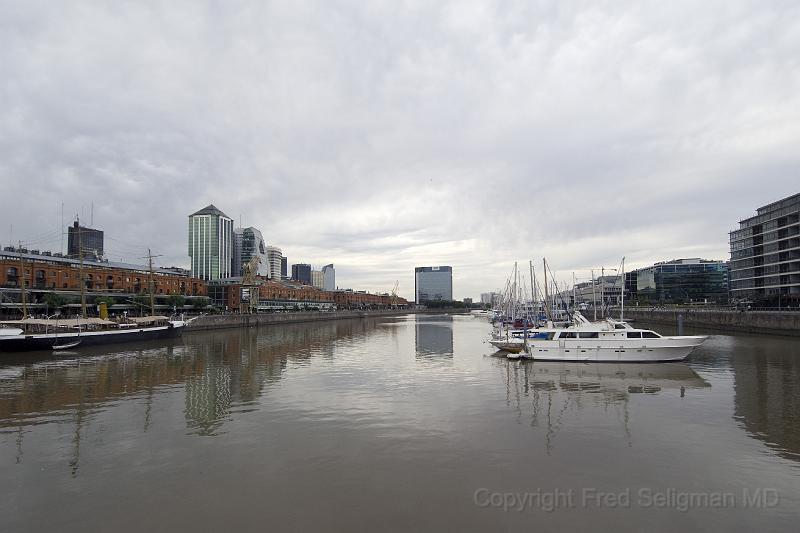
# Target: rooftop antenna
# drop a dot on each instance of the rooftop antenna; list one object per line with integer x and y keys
{"x": 62, "y": 228}
{"x": 91, "y": 220}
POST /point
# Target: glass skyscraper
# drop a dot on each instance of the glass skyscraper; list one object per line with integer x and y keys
{"x": 249, "y": 243}
{"x": 434, "y": 283}
{"x": 210, "y": 243}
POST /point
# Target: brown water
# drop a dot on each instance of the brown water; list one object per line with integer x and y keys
{"x": 397, "y": 424}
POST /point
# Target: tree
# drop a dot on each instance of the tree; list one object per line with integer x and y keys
{"x": 200, "y": 303}
{"x": 176, "y": 301}
{"x": 54, "y": 301}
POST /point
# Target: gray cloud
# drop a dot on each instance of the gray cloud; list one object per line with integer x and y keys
{"x": 380, "y": 136}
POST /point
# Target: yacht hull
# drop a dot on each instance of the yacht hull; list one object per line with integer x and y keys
{"x": 661, "y": 350}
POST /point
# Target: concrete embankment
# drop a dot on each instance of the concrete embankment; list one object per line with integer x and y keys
{"x": 770, "y": 322}
{"x": 266, "y": 319}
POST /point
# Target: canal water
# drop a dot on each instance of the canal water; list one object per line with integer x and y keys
{"x": 396, "y": 424}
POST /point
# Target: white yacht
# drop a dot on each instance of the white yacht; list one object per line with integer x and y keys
{"x": 608, "y": 341}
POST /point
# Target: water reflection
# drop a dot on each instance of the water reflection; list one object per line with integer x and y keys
{"x": 548, "y": 392}
{"x": 434, "y": 335}
{"x": 767, "y": 394}
{"x": 221, "y": 372}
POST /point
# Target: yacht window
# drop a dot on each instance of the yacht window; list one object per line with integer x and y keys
{"x": 588, "y": 335}
{"x": 634, "y": 334}
{"x": 619, "y": 326}
{"x": 650, "y": 335}
{"x": 567, "y": 335}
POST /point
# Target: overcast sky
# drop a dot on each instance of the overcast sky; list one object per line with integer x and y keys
{"x": 380, "y": 136}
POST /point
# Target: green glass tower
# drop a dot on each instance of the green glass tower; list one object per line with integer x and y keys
{"x": 210, "y": 243}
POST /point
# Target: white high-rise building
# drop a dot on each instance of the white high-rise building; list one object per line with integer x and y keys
{"x": 329, "y": 278}
{"x": 210, "y": 243}
{"x": 317, "y": 279}
{"x": 274, "y": 259}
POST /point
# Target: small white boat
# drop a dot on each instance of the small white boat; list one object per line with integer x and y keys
{"x": 66, "y": 346}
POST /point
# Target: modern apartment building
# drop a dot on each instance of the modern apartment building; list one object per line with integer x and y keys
{"x": 765, "y": 255}
{"x": 433, "y": 283}
{"x": 210, "y": 243}
{"x": 276, "y": 262}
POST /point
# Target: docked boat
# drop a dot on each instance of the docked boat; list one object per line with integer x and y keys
{"x": 32, "y": 334}
{"x": 607, "y": 341}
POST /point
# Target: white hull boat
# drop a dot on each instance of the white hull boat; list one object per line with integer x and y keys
{"x": 609, "y": 341}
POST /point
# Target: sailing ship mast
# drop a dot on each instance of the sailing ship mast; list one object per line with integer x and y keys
{"x": 23, "y": 294}
{"x": 80, "y": 270}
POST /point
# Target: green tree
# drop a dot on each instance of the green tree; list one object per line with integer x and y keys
{"x": 176, "y": 301}
{"x": 53, "y": 301}
{"x": 200, "y": 303}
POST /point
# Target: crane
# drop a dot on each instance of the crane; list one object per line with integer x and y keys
{"x": 393, "y": 297}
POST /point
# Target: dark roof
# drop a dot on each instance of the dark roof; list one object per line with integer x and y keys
{"x": 210, "y": 210}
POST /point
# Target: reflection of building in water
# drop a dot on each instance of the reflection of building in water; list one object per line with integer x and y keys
{"x": 767, "y": 399}
{"x": 434, "y": 335}
{"x": 220, "y": 370}
{"x": 208, "y": 398}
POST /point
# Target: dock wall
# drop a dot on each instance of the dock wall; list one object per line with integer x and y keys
{"x": 770, "y": 322}
{"x": 265, "y": 319}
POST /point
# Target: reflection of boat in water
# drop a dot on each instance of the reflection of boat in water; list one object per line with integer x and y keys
{"x": 558, "y": 395}
{"x": 624, "y": 378}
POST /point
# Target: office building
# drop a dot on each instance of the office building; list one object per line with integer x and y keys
{"x": 275, "y": 260}
{"x": 247, "y": 244}
{"x": 434, "y": 283}
{"x": 765, "y": 255}
{"x": 284, "y": 268}
{"x": 91, "y": 242}
{"x": 210, "y": 243}
{"x": 317, "y": 279}
{"x": 679, "y": 281}
{"x": 302, "y": 272}
{"x": 329, "y": 275}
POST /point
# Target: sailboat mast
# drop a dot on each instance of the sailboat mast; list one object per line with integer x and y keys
{"x": 546, "y": 304}
{"x": 622, "y": 300}
{"x": 594, "y": 298}
{"x": 574, "y": 297}
{"x": 533, "y": 286}
{"x": 602, "y": 291}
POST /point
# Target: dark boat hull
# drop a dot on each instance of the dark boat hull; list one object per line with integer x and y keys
{"x": 29, "y": 343}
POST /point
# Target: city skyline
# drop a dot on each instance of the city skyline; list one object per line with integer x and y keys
{"x": 494, "y": 134}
